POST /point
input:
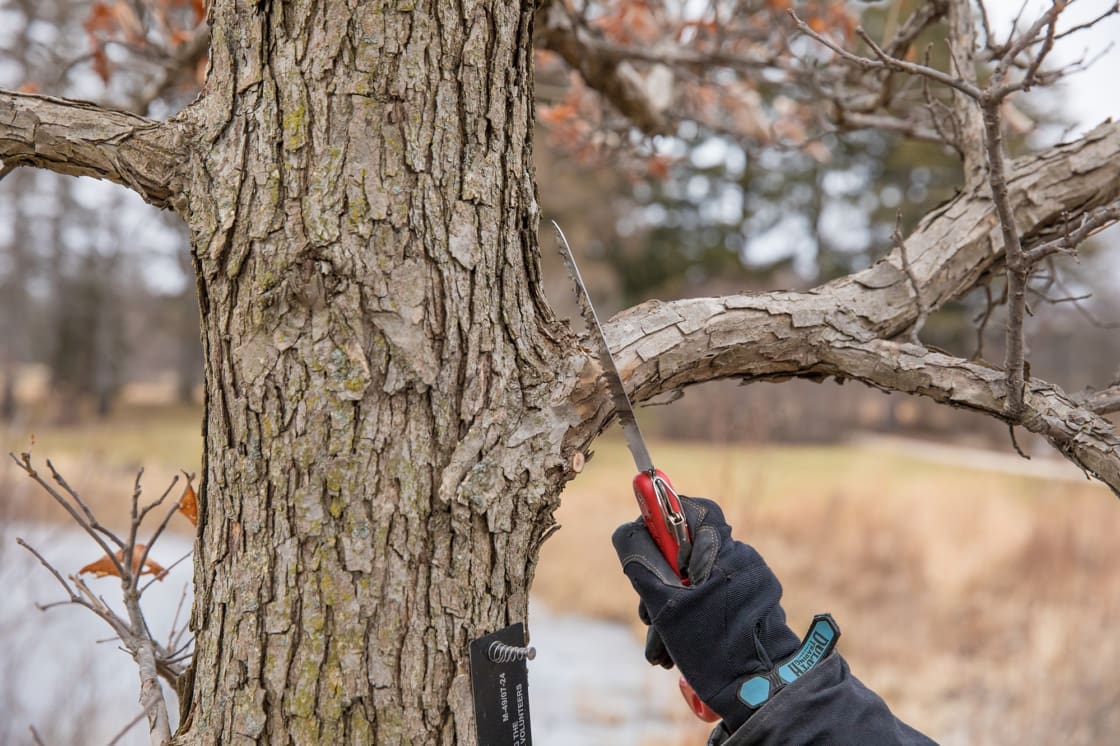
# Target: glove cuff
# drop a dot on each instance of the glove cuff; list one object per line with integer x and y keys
{"x": 737, "y": 702}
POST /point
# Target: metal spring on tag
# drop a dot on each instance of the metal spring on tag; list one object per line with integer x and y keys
{"x": 499, "y": 652}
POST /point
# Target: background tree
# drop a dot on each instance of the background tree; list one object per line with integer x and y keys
{"x": 392, "y": 406}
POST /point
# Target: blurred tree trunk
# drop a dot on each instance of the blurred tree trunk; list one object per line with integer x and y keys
{"x": 15, "y": 314}
{"x": 184, "y": 326}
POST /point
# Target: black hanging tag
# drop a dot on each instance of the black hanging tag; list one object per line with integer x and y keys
{"x": 501, "y": 689}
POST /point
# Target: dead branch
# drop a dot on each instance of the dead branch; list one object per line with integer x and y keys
{"x": 838, "y": 328}
{"x": 130, "y": 562}
{"x": 1036, "y": 42}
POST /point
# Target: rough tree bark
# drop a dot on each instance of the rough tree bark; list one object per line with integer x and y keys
{"x": 379, "y": 471}
{"x": 391, "y": 405}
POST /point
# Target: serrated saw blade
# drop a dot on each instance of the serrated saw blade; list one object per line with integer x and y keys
{"x": 622, "y": 407}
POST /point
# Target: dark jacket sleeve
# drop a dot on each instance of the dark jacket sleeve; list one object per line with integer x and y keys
{"x": 827, "y": 705}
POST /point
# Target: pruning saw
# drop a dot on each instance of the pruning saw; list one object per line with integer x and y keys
{"x": 659, "y": 502}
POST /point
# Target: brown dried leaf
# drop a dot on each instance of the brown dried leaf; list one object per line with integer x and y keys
{"x": 100, "y": 19}
{"x": 100, "y": 63}
{"x": 188, "y": 504}
{"x": 105, "y": 566}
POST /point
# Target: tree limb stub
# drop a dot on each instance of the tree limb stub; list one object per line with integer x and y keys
{"x": 843, "y": 328}
{"x": 79, "y": 138}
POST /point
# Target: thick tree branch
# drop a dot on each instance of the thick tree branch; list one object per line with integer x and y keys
{"x": 968, "y": 127}
{"x": 82, "y": 139}
{"x": 843, "y": 328}
{"x": 1106, "y": 401}
{"x": 779, "y": 335}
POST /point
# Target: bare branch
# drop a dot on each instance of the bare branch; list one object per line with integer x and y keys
{"x": 925, "y": 15}
{"x": 151, "y": 659}
{"x": 50, "y": 568}
{"x": 838, "y": 328}
{"x": 1106, "y": 401}
{"x": 923, "y": 310}
{"x": 185, "y": 57}
{"x": 124, "y": 731}
{"x": 84, "y": 519}
{"x": 1091, "y": 223}
{"x": 1018, "y": 269}
{"x": 609, "y": 75}
{"x": 775, "y": 335}
{"x": 82, "y": 139}
{"x": 1114, "y": 10}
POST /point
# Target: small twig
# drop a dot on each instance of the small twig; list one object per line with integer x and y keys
{"x": 90, "y": 517}
{"x": 159, "y": 501}
{"x": 1106, "y": 401}
{"x": 166, "y": 571}
{"x": 135, "y": 518}
{"x": 982, "y": 319}
{"x": 171, "y": 634}
{"x": 50, "y": 568}
{"x": 1090, "y": 23}
{"x": 985, "y": 24}
{"x": 35, "y": 737}
{"x": 1014, "y": 442}
{"x": 124, "y": 731}
{"x": 151, "y": 543}
{"x": 92, "y": 528}
{"x": 1091, "y": 223}
{"x": 923, "y": 308}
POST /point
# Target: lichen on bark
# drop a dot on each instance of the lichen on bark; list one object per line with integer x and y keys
{"x": 375, "y": 491}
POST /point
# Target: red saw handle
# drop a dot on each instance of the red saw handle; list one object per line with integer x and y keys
{"x": 664, "y": 519}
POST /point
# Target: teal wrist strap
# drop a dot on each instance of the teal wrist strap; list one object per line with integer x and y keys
{"x": 815, "y": 647}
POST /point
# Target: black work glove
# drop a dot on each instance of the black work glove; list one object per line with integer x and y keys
{"x": 722, "y": 628}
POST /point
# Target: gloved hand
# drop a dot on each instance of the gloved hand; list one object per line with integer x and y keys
{"x": 723, "y": 627}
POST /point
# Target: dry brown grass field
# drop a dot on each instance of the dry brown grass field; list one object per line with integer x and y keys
{"x": 981, "y": 604}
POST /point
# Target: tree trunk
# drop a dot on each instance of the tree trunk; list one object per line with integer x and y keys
{"x": 378, "y": 472}
{"x": 391, "y": 405}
